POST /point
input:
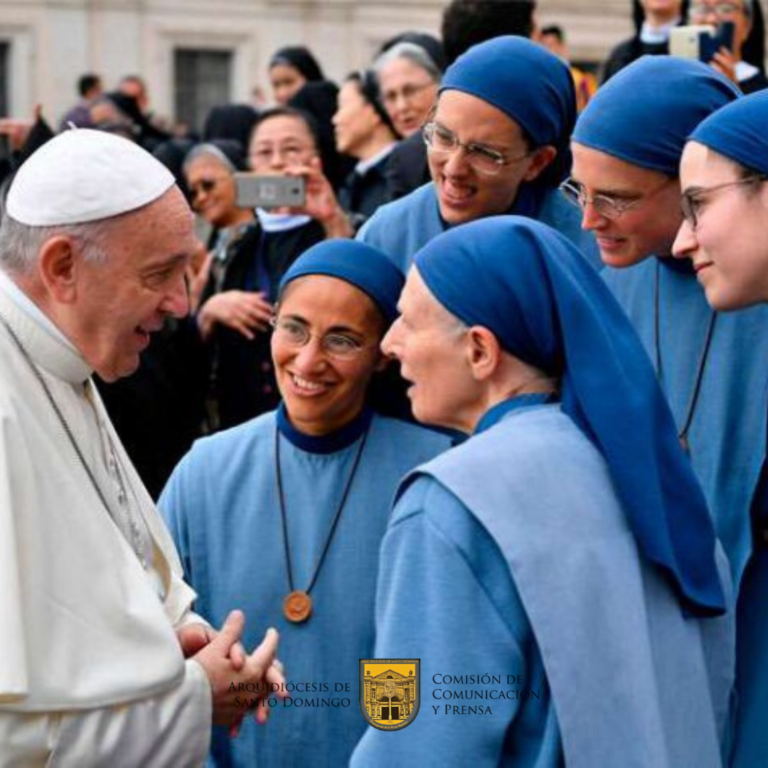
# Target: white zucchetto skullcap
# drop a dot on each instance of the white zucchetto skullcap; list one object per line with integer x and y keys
{"x": 83, "y": 175}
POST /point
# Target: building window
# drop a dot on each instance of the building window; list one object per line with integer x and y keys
{"x": 5, "y": 82}
{"x": 203, "y": 79}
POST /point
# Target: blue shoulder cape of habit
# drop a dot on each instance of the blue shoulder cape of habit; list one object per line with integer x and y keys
{"x": 727, "y": 434}
{"x": 634, "y": 681}
{"x": 402, "y": 227}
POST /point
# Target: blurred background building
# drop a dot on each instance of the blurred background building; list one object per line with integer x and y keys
{"x": 197, "y": 53}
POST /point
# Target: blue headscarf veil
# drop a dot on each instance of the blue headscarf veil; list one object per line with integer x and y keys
{"x": 739, "y": 132}
{"x": 532, "y": 87}
{"x": 546, "y": 305}
{"x": 644, "y": 114}
{"x": 355, "y": 263}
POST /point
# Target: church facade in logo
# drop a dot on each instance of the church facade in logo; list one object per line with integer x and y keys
{"x": 390, "y": 692}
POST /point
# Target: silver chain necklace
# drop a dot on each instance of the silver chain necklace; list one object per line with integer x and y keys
{"x": 137, "y": 540}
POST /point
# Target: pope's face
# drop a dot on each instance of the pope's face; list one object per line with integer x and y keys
{"x": 121, "y": 300}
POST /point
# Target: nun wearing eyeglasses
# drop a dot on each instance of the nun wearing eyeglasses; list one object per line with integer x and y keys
{"x": 497, "y": 143}
{"x": 283, "y": 516}
{"x": 724, "y": 178}
{"x": 557, "y": 573}
{"x": 713, "y": 367}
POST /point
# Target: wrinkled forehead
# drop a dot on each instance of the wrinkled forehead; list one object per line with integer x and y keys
{"x": 419, "y": 302}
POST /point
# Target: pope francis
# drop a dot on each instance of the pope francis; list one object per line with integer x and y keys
{"x": 101, "y": 660}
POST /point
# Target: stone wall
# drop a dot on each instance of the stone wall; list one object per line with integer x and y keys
{"x": 54, "y": 41}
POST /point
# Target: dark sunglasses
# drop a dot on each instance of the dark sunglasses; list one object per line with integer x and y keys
{"x": 204, "y": 185}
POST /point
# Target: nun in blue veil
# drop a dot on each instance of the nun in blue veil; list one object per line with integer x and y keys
{"x": 529, "y": 89}
{"x": 283, "y": 515}
{"x": 723, "y": 176}
{"x": 713, "y": 367}
{"x": 565, "y": 547}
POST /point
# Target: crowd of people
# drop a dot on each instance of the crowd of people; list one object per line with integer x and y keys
{"x": 491, "y": 394}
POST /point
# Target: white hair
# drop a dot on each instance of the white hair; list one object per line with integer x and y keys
{"x": 410, "y": 52}
{"x": 207, "y": 150}
{"x": 20, "y": 244}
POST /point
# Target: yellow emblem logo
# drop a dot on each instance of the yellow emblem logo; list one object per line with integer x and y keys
{"x": 390, "y": 692}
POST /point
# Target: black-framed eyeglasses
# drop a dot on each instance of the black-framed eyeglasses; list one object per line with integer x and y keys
{"x": 607, "y": 206}
{"x": 692, "y": 200}
{"x": 296, "y": 334}
{"x": 483, "y": 159}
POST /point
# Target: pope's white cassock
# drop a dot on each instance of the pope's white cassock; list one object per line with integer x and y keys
{"x": 91, "y": 671}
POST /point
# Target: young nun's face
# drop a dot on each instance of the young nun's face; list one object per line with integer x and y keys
{"x": 634, "y": 212}
{"x": 354, "y": 121}
{"x": 430, "y": 344}
{"x": 726, "y": 242}
{"x": 286, "y": 82}
{"x": 465, "y": 191}
{"x": 325, "y": 349}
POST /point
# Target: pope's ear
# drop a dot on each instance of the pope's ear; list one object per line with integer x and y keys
{"x": 58, "y": 262}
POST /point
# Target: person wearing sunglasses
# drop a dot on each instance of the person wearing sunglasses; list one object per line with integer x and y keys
{"x": 724, "y": 175}
{"x": 496, "y": 143}
{"x": 232, "y": 314}
{"x": 284, "y": 515}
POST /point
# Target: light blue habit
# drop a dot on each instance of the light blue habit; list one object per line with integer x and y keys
{"x": 737, "y": 131}
{"x": 222, "y": 507}
{"x": 727, "y": 445}
{"x": 727, "y": 435}
{"x": 643, "y": 117}
{"x": 534, "y": 89}
{"x": 399, "y": 229}
{"x": 484, "y": 572}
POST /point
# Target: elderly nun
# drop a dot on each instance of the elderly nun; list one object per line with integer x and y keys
{"x": 565, "y": 548}
{"x": 713, "y": 367}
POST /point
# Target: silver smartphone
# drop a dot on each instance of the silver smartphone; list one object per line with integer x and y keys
{"x": 269, "y": 191}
